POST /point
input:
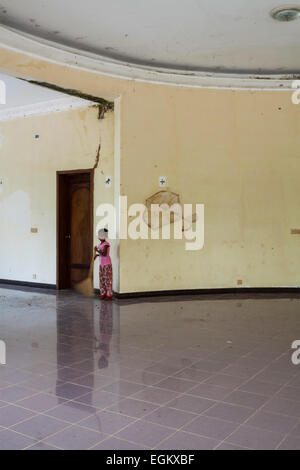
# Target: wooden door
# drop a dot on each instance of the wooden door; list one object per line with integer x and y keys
{"x": 75, "y": 227}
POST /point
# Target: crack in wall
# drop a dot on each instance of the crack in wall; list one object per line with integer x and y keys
{"x": 97, "y": 158}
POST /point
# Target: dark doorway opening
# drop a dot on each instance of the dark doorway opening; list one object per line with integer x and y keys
{"x": 75, "y": 196}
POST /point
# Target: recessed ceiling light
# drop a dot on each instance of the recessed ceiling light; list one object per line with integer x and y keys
{"x": 286, "y": 13}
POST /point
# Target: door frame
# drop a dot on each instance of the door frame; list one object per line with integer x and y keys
{"x": 58, "y": 189}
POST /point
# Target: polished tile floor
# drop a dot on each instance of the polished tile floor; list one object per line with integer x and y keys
{"x": 178, "y": 373}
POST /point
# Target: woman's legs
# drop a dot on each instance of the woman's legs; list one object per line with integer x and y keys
{"x": 102, "y": 282}
{"x": 108, "y": 281}
{"x": 105, "y": 276}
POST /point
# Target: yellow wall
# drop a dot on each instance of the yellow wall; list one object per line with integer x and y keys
{"x": 68, "y": 140}
{"x": 234, "y": 151}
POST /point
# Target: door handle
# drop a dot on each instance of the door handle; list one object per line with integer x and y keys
{"x": 67, "y": 236}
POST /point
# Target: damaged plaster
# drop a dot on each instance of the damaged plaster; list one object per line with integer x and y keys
{"x": 103, "y": 105}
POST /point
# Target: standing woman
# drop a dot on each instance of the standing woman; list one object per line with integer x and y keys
{"x": 105, "y": 267}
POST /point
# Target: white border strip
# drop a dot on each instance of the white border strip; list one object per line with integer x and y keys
{"x": 62, "y": 55}
{"x": 47, "y": 107}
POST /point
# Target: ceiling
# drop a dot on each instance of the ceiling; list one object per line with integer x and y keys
{"x": 25, "y": 99}
{"x": 190, "y": 35}
{"x": 21, "y": 93}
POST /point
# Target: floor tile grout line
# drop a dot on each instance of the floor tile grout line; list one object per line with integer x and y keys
{"x": 165, "y": 405}
{"x": 141, "y": 418}
{"x": 158, "y": 362}
{"x": 179, "y": 429}
{"x": 121, "y": 439}
{"x": 156, "y": 383}
{"x": 202, "y": 414}
{"x": 42, "y": 442}
{"x": 135, "y": 421}
{"x": 255, "y": 412}
{"x": 288, "y": 434}
{"x": 35, "y": 414}
{"x": 70, "y": 425}
{"x": 183, "y": 368}
{"x": 31, "y": 437}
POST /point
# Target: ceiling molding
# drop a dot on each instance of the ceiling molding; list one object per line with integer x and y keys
{"x": 62, "y": 55}
{"x": 38, "y": 109}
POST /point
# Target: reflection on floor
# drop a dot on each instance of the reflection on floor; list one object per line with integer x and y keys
{"x": 178, "y": 373}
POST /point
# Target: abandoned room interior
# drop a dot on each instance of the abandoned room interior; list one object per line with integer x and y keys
{"x": 149, "y": 225}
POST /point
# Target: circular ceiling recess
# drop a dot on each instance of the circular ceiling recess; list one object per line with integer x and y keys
{"x": 286, "y": 13}
{"x": 236, "y": 36}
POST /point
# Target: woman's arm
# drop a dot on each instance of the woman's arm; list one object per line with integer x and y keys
{"x": 104, "y": 251}
{"x": 96, "y": 252}
{"x": 100, "y": 252}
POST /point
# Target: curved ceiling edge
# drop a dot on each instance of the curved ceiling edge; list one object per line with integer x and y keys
{"x": 63, "y": 55}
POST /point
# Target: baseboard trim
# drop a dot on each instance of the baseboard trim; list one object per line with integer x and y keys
{"x": 37, "y": 285}
{"x": 228, "y": 290}
{"x": 166, "y": 293}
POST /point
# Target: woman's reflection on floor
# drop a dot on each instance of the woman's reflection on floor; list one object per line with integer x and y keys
{"x": 75, "y": 344}
{"x": 106, "y": 330}
{"x": 88, "y": 343}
